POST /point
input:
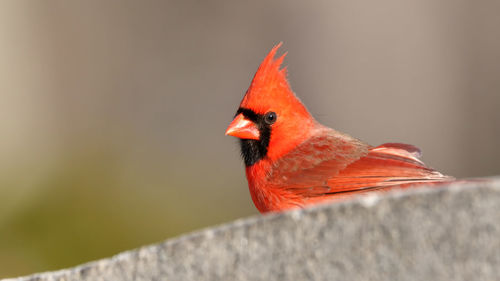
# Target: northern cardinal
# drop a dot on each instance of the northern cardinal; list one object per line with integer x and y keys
{"x": 292, "y": 160}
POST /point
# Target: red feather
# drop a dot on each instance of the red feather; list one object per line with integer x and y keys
{"x": 331, "y": 165}
{"x": 294, "y": 161}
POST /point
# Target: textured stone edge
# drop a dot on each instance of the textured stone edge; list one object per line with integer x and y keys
{"x": 365, "y": 201}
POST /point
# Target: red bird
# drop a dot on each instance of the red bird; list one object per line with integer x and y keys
{"x": 292, "y": 160}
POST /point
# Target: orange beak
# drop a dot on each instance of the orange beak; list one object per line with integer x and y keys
{"x": 243, "y": 128}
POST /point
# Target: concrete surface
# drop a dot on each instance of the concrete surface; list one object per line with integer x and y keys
{"x": 450, "y": 233}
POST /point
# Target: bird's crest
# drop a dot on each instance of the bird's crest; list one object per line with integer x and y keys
{"x": 270, "y": 68}
{"x": 269, "y": 85}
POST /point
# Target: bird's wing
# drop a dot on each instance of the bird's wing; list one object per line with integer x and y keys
{"x": 329, "y": 165}
{"x": 385, "y": 166}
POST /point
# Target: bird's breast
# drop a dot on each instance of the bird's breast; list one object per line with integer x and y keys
{"x": 266, "y": 195}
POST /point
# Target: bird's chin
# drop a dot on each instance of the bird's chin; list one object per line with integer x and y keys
{"x": 252, "y": 151}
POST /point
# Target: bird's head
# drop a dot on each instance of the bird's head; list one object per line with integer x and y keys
{"x": 271, "y": 120}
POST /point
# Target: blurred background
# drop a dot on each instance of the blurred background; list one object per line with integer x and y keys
{"x": 112, "y": 113}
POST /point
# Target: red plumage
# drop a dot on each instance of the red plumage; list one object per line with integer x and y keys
{"x": 292, "y": 160}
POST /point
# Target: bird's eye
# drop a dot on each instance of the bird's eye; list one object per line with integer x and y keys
{"x": 270, "y": 118}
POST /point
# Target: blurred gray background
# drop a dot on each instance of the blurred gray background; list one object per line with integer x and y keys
{"x": 112, "y": 113}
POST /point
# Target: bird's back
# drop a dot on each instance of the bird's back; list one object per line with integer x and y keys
{"x": 331, "y": 165}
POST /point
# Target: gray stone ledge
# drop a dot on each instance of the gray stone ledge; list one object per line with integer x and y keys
{"x": 449, "y": 233}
